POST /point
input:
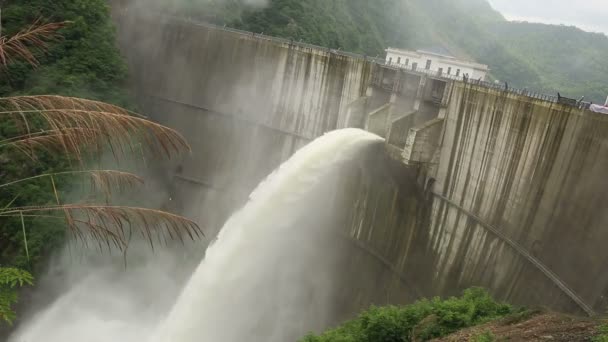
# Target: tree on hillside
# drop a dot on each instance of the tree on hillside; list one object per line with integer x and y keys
{"x": 34, "y": 127}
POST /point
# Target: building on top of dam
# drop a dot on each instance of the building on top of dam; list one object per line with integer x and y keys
{"x": 438, "y": 60}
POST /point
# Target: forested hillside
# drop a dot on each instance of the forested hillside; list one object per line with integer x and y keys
{"x": 565, "y": 58}
{"x": 85, "y": 62}
{"x": 547, "y": 58}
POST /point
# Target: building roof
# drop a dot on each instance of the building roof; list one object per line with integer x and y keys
{"x": 437, "y": 50}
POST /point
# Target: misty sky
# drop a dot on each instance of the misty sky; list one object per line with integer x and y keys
{"x": 589, "y": 15}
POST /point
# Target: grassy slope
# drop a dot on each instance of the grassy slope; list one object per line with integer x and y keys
{"x": 534, "y": 326}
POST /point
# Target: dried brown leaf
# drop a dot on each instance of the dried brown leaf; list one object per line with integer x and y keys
{"x": 78, "y": 126}
{"x": 25, "y": 43}
{"x": 113, "y": 225}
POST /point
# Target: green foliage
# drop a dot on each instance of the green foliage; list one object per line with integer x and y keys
{"x": 354, "y": 25}
{"x": 484, "y": 337}
{"x": 565, "y": 58}
{"x": 602, "y": 334}
{"x": 423, "y": 320}
{"x": 84, "y": 63}
{"x": 10, "y": 280}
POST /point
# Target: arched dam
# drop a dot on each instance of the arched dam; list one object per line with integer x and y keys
{"x": 481, "y": 185}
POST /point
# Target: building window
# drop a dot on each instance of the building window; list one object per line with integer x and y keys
{"x": 428, "y": 64}
{"x": 449, "y": 70}
{"x": 407, "y": 61}
{"x": 457, "y": 72}
{"x": 414, "y": 66}
{"x": 398, "y": 60}
{"x": 390, "y": 60}
{"x": 440, "y": 71}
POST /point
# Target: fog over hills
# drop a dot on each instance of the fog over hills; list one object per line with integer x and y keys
{"x": 590, "y": 15}
{"x": 541, "y": 57}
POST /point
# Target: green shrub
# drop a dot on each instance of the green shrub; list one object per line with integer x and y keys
{"x": 423, "y": 320}
{"x": 485, "y": 337}
{"x": 10, "y": 280}
{"x": 602, "y": 334}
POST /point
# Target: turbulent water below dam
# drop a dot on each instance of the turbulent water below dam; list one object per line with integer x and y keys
{"x": 269, "y": 275}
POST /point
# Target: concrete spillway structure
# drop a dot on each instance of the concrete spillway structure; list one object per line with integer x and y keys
{"x": 480, "y": 186}
{"x": 244, "y": 103}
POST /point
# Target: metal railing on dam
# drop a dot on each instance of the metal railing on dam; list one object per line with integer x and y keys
{"x": 382, "y": 62}
{"x": 486, "y": 84}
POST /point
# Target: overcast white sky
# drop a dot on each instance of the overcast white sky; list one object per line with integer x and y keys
{"x": 589, "y": 15}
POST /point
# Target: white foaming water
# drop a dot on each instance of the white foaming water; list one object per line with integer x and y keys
{"x": 101, "y": 301}
{"x": 268, "y": 276}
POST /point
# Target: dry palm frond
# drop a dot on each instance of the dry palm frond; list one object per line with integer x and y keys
{"x": 106, "y": 180}
{"x": 58, "y": 140}
{"x": 101, "y": 180}
{"x": 23, "y": 44}
{"x": 113, "y": 225}
{"x": 76, "y": 126}
{"x": 79, "y": 127}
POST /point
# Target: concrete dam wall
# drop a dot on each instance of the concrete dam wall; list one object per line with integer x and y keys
{"x": 245, "y": 104}
{"x": 479, "y": 186}
{"x": 531, "y": 173}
